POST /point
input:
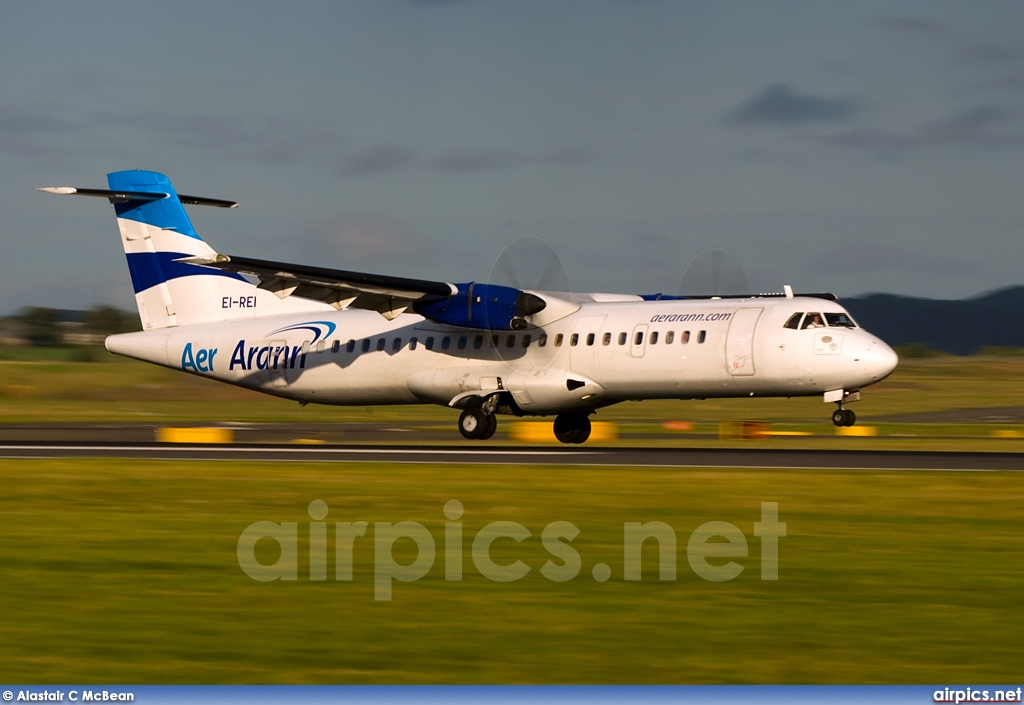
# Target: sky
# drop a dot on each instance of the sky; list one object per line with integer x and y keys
{"x": 833, "y": 146}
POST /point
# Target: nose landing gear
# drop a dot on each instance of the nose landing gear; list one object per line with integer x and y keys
{"x": 843, "y": 416}
{"x": 840, "y": 397}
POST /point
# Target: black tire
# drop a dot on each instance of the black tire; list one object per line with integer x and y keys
{"x": 473, "y": 424}
{"x": 584, "y": 431}
{"x": 572, "y": 428}
{"x": 851, "y": 418}
{"x": 490, "y": 428}
{"x": 839, "y": 417}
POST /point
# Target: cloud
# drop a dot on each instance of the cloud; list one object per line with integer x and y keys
{"x": 780, "y": 105}
{"x": 990, "y": 54}
{"x": 387, "y": 158}
{"x": 974, "y": 128}
{"x": 477, "y": 160}
{"x": 471, "y": 160}
{"x": 30, "y": 131}
{"x": 380, "y": 159}
{"x": 277, "y": 140}
{"x": 914, "y": 25}
{"x": 437, "y": 3}
{"x": 354, "y": 241}
{"x": 859, "y": 256}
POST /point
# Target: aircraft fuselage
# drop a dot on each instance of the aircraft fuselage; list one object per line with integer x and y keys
{"x": 609, "y": 352}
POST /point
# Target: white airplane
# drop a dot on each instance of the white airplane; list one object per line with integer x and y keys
{"x": 328, "y": 336}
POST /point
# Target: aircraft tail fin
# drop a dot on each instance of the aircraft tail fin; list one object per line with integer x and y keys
{"x": 158, "y": 237}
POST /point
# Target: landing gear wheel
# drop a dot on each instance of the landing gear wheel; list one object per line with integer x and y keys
{"x": 473, "y": 424}
{"x": 844, "y": 417}
{"x": 490, "y": 428}
{"x": 572, "y": 428}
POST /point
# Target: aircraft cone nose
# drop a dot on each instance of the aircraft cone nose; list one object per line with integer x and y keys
{"x": 881, "y": 360}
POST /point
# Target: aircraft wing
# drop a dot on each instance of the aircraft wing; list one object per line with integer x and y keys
{"x": 387, "y": 295}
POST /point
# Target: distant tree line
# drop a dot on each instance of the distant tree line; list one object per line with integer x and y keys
{"x": 51, "y": 327}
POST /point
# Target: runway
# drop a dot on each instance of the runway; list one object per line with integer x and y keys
{"x": 754, "y": 459}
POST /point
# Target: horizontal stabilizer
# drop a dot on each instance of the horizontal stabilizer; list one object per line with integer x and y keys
{"x": 118, "y": 196}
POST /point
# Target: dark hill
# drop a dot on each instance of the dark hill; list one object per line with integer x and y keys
{"x": 958, "y": 327}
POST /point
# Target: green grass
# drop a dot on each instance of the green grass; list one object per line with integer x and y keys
{"x": 126, "y": 571}
{"x": 44, "y": 389}
{"x": 50, "y": 386}
{"x": 67, "y": 353}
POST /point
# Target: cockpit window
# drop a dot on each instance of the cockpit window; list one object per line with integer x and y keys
{"x": 813, "y": 320}
{"x": 840, "y": 320}
{"x": 794, "y": 321}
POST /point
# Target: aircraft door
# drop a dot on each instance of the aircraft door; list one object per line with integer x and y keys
{"x": 638, "y": 343}
{"x": 295, "y": 360}
{"x": 278, "y": 362}
{"x": 739, "y": 343}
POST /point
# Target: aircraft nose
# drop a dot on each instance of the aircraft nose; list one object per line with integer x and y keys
{"x": 880, "y": 360}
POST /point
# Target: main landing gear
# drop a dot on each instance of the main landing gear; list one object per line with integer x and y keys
{"x": 478, "y": 424}
{"x": 572, "y": 428}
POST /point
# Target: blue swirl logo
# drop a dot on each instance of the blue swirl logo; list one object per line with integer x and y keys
{"x": 320, "y": 329}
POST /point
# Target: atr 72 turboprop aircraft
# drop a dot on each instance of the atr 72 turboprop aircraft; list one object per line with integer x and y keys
{"x": 337, "y": 337}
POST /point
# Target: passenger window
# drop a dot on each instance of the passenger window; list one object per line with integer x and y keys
{"x": 701, "y": 336}
{"x": 381, "y": 344}
{"x": 478, "y": 342}
{"x": 542, "y": 340}
{"x": 526, "y": 340}
{"x": 622, "y": 338}
{"x": 429, "y": 343}
{"x": 654, "y": 338}
{"x": 412, "y": 343}
{"x": 446, "y": 342}
{"x": 510, "y": 341}
{"x": 606, "y": 339}
{"x": 685, "y": 338}
{"x": 320, "y": 346}
{"x": 794, "y": 321}
{"x": 669, "y": 337}
{"x": 396, "y": 344}
{"x": 813, "y": 320}
{"x": 335, "y": 346}
{"x": 494, "y": 340}
{"x": 639, "y": 340}
{"x": 558, "y": 340}
{"x": 590, "y": 338}
{"x": 462, "y": 342}
{"x": 575, "y": 338}
{"x": 839, "y": 320}
{"x": 366, "y": 345}
{"x": 350, "y": 346}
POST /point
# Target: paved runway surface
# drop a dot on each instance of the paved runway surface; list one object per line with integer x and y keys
{"x": 483, "y": 455}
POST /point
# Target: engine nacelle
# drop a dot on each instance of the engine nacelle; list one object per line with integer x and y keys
{"x": 535, "y": 390}
{"x": 551, "y": 391}
{"x": 484, "y": 307}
